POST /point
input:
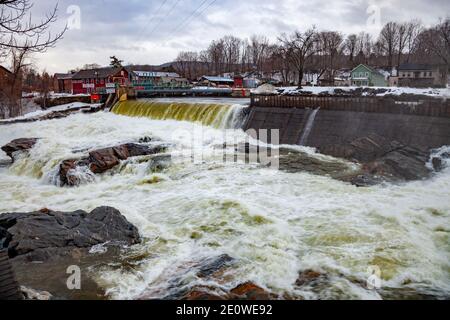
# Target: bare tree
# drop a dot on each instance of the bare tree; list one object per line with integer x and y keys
{"x": 414, "y": 29}
{"x": 351, "y": 45}
{"x": 437, "y": 40}
{"x": 330, "y": 44}
{"x": 407, "y": 37}
{"x": 298, "y": 48}
{"x": 18, "y": 31}
{"x": 20, "y": 36}
{"x": 388, "y": 41}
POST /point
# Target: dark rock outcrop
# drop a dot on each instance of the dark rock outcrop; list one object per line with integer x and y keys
{"x": 102, "y": 160}
{"x": 439, "y": 162}
{"x": 246, "y": 291}
{"x": 309, "y": 277}
{"x": 214, "y": 266}
{"x": 382, "y": 159}
{"x": 42, "y": 234}
{"x": 18, "y": 145}
{"x": 250, "y": 291}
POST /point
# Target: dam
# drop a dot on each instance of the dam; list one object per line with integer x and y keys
{"x": 341, "y": 120}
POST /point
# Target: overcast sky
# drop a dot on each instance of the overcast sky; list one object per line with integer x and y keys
{"x": 137, "y": 32}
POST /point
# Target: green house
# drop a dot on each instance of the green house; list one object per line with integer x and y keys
{"x": 365, "y": 76}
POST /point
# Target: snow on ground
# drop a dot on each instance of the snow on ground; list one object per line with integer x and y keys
{"x": 65, "y": 95}
{"x": 52, "y": 95}
{"x": 432, "y": 92}
{"x": 40, "y": 113}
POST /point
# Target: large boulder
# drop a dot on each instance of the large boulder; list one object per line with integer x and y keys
{"x": 19, "y": 145}
{"x": 45, "y": 233}
{"x": 382, "y": 158}
{"x": 102, "y": 160}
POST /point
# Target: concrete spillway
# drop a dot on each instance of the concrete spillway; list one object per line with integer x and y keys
{"x": 220, "y": 116}
{"x": 419, "y": 126}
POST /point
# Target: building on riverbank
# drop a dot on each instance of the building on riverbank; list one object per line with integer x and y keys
{"x": 216, "y": 81}
{"x": 365, "y": 76}
{"x": 63, "y": 82}
{"x": 10, "y": 93}
{"x": 98, "y": 80}
{"x": 421, "y": 76}
{"x": 157, "y": 77}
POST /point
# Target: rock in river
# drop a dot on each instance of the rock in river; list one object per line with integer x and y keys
{"x": 18, "y": 145}
{"x": 102, "y": 160}
{"x": 45, "y": 233}
{"x": 380, "y": 157}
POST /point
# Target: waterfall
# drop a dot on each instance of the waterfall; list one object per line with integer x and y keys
{"x": 220, "y": 116}
{"x": 308, "y": 127}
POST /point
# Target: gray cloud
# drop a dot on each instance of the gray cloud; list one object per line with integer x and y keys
{"x": 133, "y": 31}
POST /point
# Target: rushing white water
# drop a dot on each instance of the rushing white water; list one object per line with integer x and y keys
{"x": 274, "y": 223}
{"x": 308, "y": 127}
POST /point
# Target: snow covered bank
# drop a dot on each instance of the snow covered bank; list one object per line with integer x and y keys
{"x": 42, "y": 113}
{"x": 379, "y": 91}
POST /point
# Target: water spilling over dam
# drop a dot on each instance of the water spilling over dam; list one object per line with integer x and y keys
{"x": 273, "y": 223}
{"x": 220, "y": 116}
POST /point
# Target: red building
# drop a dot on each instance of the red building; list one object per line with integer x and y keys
{"x": 63, "y": 82}
{"x": 98, "y": 80}
{"x": 238, "y": 82}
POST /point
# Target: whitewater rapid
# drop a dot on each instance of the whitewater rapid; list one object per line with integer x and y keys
{"x": 274, "y": 223}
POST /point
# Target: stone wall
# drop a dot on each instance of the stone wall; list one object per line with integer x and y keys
{"x": 333, "y": 127}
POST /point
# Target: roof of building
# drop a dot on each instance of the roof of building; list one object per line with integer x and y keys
{"x": 218, "y": 79}
{"x": 96, "y": 73}
{"x": 4, "y": 69}
{"x": 414, "y": 66}
{"x": 152, "y": 74}
{"x": 64, "y": 76}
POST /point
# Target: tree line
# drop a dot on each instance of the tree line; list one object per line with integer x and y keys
{"x": 323, "y": 52}
{"x": 21, "y": 36}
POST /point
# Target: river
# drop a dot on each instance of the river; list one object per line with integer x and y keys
{"x": 273, "y": 223}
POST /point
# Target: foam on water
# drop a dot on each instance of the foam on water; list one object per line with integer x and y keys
{"x": 274, "y": 223}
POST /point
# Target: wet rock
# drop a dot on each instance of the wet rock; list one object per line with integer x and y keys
{"x": 250, "y": 291}
{"x": 102, "y": 160}
{"x": 246, "y": 291}
{"x": 31, "y": 294}
{"x": 405, "y": 163}
{"x": 309, "y": 277}
{"x": 145, "y": 140}
{"x": 18, "y": 145}
{"x": 41, "y": 235}
{"x": 293, "y": 162}
{"x": 203, "y": 294}
{"x": 390, "y": 160}
{"x": 215, "y": 266}
{"x": 438, "y": 164}
{"x": 365, "y": 180}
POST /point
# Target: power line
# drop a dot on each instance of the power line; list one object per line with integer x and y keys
{"x": 200, "y": 13}
{"x": 162, "y": 20}
{"x": 152, "y": 18}
{"x": 188, "y": 18}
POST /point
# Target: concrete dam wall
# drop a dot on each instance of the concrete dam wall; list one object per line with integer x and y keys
{"x": 326, "y": 122}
